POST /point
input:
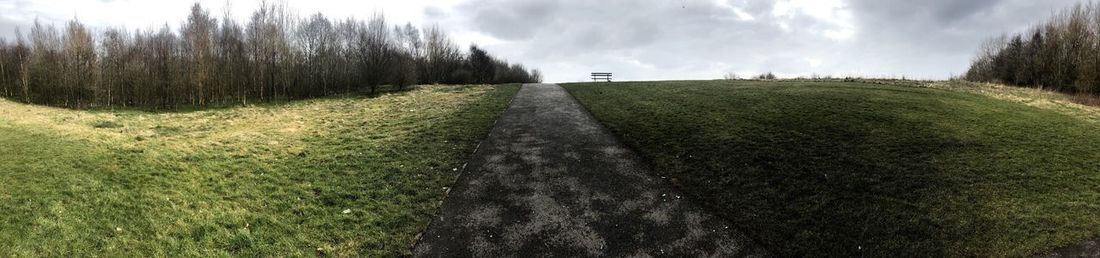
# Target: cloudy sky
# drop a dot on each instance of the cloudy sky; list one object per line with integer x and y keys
{"x": 648, "y": 39}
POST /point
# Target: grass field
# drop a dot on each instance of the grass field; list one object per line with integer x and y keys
{"x": 851, "y": 169}
{"x": 343, "y": 176}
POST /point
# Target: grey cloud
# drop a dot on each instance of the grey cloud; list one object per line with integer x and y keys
{"x": 640, "y": 38}
{"x": 434, "y": 13}
{"x": 654, "y": 39}
{"x": 519, "y": 20}
{"x": 20, "y": 14}
{"x": 937, "y": 38}
{"x": 702, "y": 39}
{"x": 938, "y": 12}
{"x": 8, "y": 28}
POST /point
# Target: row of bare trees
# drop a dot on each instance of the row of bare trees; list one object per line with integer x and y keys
{"x": 273, "y": 56}
{"x": 1062, "y": 54}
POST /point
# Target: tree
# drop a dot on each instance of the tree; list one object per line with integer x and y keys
{"x": 79, "y": 54}
{"x": 766, "y": 76}
{"x": 165, "y": 66}
{"x": 410, "y": 50}
{"x": 347, "y": 66}
{"x": 731, "y": 76}
{"x": 1009, "y": 60}
{"x": 273, "y": 56}
{"x": 269, "y": 50}
{"x": 232, "y": 61}
{"x": 481, "y": 65}
{"x": 1032, "y": 67}
{"x": 198, "y": 50}
{"x": 536, "y": 76}
{"x": 409, "y": 39}
{"x": 1060, "y": 54}
{"x": 1076, "y": 41}
{"x": 47, "y": 58}
{"x": 113, "y": 64}
{"x": 443, "y": 59}
{"x": 21, "y": 53}
{"x": 376, "y": 54}
{"x": 316, "y": 38}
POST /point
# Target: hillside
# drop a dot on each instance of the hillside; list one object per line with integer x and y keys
{"x": 856, "y": 169}
{"x": 343, "y": 176}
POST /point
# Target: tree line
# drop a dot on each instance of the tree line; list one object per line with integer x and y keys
{"x": 1062, "y": 54}
{"x": 274, "y": 55}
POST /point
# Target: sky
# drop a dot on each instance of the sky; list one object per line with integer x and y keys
{"x": 646, "y": 39}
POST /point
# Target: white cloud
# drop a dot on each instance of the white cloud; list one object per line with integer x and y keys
{"x": 837, "y": 17}
{"x": 813, "y": 62}
{"x": 738, "y": 12}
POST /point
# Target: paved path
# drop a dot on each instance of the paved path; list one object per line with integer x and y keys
{"x": 551, "y": 181}
{"x": 1089, "y": 248}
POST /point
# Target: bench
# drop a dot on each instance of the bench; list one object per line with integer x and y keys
{"x": 601, "y": 77}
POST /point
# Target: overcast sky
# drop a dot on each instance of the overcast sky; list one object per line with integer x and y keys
{"x": 648, "y": 39}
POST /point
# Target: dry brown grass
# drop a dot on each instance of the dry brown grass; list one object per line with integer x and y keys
{"x": 1086, "y": 99}
{"x": 1084, "y": 107}
{"x": 277, "y": 130}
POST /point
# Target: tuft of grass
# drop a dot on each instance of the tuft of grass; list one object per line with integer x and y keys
{"x": 105, "y": 124}
{"x": 854, "y": 169}
{"x": 347, "y": 176}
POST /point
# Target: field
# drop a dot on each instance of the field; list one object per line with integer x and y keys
{"x": 343, "y": 176}
{"x": 854, "y": 169}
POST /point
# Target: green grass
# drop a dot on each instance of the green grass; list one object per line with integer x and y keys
{"x": 348, "y": 176}
{"x": 851, "y": 169}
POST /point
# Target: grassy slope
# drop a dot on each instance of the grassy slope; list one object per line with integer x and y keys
{"x": 256, "y": 181}
{"x": 846, "y": 169}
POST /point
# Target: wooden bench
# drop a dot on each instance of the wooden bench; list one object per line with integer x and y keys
{"x": 601, "y": 77}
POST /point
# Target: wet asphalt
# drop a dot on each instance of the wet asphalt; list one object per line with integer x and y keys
{"x": 551, "y": 181}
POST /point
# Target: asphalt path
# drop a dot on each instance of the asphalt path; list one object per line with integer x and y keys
{"x": 549, "y": 180}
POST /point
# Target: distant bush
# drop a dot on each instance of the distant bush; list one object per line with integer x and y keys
{"x": 731, "y": 76}
{"x": 1061, "y": 54}
{"x": 821, "y": 77}
{"x": 767, "y": 76}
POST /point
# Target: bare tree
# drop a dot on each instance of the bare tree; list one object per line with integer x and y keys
{"x": 482, "y": 66}
{"x": 376, "y": 54}
{"x": 1060, "y": 54}
{"x": 112, "y": 64}
{"x": 198, "y": 49}
{"x": 273, "y": 56}
{"x": 408, "y": 47}
{"x": 443, "y": 57}
{"x": 317, "y": 38}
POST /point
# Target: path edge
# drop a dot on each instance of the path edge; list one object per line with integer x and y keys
{"x": 462, "y": 172}
{"x": 666, "y": 179}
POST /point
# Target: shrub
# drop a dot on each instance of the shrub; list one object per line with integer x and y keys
{"x": 1062, "y": 54}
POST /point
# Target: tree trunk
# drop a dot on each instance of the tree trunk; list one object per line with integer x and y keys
{"x": 26, "y": 84}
